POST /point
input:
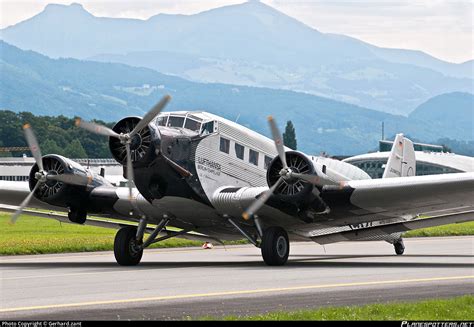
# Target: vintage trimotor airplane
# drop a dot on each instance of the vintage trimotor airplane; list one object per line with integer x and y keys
{"x": 216, "y": 180}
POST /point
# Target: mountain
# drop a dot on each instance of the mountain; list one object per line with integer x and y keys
{"x": 421, "y": 59}
{"x": 44, "y": 86}
{"x": 249, "y": 44}
{"x": 452, "y": 111}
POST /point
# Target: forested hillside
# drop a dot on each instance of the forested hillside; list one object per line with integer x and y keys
{"x": 56, "y": 135}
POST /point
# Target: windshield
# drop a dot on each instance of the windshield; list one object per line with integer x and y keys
{"x": 190, "y": 122}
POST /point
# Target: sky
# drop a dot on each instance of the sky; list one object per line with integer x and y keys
{"x": 441, "y": 28}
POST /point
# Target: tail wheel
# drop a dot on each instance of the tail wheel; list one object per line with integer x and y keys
{"x": 399, "y": 247}
{"x": 275, "y": 246}
{"x": 127, "y": 251}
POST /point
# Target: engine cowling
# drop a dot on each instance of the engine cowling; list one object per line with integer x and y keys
{"x": 141, "y": 144}
{"x": 72, "y": 195}
{"x": 291, "y": 187}
{"x": 296, "y": 193}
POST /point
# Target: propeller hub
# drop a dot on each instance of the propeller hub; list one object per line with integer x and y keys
{"x": 40, "y": 176}
{"x": 286, "y": 173}
{"x": 135, "y": 141}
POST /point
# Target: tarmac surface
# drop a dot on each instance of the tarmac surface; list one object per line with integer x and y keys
{"x": 191, "y": 282}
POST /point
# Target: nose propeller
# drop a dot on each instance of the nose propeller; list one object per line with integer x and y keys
{"x": 129, "y": 139}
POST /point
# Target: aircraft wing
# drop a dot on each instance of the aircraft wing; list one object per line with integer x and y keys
{"x": 391, "y": 231}
{"x": 406, "y": 197}
{"x": 402, "y": 202}
{"x": 12, "y": 193}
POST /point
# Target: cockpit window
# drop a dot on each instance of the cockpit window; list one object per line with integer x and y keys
{"x": 207, "y": 128}
{"x": 192, "y": 124}
{"x": 161, "y": 120}
{"x": 175, "y": 121}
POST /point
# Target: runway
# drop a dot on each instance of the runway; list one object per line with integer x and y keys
{"x": 191, "y": 282}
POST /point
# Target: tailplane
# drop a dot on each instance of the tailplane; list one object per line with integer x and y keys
{"x": 401, "y": 161}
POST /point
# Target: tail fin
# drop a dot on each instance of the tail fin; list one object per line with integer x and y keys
{"x": 401, "y": 161}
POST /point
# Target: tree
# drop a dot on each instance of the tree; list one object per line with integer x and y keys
{"x": 289, "y": 136}
{"x": 51, "y": 147}
{"x": 75, "y": 150}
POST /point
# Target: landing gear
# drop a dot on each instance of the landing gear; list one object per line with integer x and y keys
{"x": 129, "y": 243}
{"x": 77, "y": 216}
{"x": 275, "y": 246}
{"x": 399, "y": 247}
{"x": 127, "y": 250}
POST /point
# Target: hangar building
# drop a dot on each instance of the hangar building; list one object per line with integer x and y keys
{"x": 427, "y": 163}
{"x": 18, "y": 168}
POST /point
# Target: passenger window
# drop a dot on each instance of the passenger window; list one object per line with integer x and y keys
{"x": 253, "y": 157}
{"x": 192, "y": 124}
{"x": 225, "y": 145}
{"x": 267, "y": 161}
{"x": 174, "y": 121}
{"x": 239, "y": 151}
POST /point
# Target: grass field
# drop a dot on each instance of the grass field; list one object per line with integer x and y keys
{"x": 466, "y": 228}
{"x": 458, "y": 308}
{"x": 33, "y": 235}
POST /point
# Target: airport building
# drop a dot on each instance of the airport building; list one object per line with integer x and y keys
{"x": 427, "y": 163}
{"x": 18, "y": 168}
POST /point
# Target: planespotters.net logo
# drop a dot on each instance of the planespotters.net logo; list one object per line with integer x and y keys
{"x": 437, "y": 324}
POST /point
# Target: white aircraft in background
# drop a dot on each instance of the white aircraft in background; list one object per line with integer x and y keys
{"x": 216, "y": 180}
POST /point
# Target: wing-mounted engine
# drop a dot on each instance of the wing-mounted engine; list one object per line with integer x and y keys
{"x": 63, "y": 182}
{"x": 295, "y": 195}
{"x": 291, "y": 187}
{"x": 293, "y": 179}
{"x": 141, "y": 146}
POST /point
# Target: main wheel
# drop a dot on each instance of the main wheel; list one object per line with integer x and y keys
{"x": 399, "y": 247}
{"x": 126, "y": 248}
{"x": 275, "y": 246}
{"x": 77, "y": 216}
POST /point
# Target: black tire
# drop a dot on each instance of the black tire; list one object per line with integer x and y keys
{"x": 77, "y": 216}
{"x": 275, "y": 246}
{"x": 125, "y": 247}
{"x": 399, "y": 247}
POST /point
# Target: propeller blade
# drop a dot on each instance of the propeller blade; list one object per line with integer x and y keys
{"x": 278, "y": 141}
{"x": 24, "y": 204}
{"x": 33, "y": 144}
{"x": 129, "y": 171}
{"x": 182, "y": 171}
{"x": 96, "y": 128}
{"x": 151, "y": 115}
{"x": 258, "y": 203}
{"x": 69, "y": 179}
{"x": 319, "y": 180}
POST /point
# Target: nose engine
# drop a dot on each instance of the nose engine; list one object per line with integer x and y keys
{"x": 141, "y": 142}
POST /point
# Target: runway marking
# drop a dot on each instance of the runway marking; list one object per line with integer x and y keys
{"x": 224, "y": 293}
{"x": 74, "y": 274}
